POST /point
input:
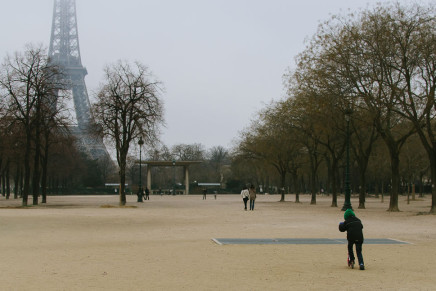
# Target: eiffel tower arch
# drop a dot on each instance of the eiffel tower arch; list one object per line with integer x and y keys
{"x": 64, "y": 50}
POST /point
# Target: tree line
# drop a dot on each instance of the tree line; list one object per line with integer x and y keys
{"x": 37, "y": 152}
{"x": 378, "y": 67}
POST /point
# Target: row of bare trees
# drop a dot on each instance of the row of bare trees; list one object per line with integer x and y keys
{"x": 37, "y": 150}
{"x": 378, "y": 64}
{"x": 31, "y": 119}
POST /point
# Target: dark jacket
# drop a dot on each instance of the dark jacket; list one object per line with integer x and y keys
{"x": 353, "y": 226}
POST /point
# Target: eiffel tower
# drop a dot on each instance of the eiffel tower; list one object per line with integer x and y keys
{"x": 64, "y": 51}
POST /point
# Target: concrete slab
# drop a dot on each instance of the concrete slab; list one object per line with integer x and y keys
{"x": 304, "y": 241}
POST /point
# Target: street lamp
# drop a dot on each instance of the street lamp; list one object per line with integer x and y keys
{"x": 140, "y": 143}
{"x": 174, "y": 184}
{"x": 347, "y": 202}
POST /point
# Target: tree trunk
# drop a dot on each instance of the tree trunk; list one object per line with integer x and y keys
{"x": 334, "y": 184}
{"x": 395, "y": 167}
{"x": 433, "y": 188}
{"x": 44, "y": 184}
{"x": 122, "y": 173}
{"x": 313, "y": 169}
{"x": 421, "y": 185}
{"x": 16, "y": 180}
{"x": 362, "y": 193}
{"x": 3, "y": 181}
{"x": 36, "y": 169}
{"x": 26, "y": 181}
{"x": 313, "y": 188}
{"x": 296, "y": 187}
{"x": 21, "y": 184}
{"x": 122, "y": 188}
{"x": 8, "y": 180}
{"x": 44, "y": 171}
{"x": 1, "y": 161}
{"x": 329, "y": 179}
{"x": 8, "y": 184}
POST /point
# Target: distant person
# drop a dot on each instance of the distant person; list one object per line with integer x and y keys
{"x": 147, "y": 194}
{"x": 245, "y": 194}
{"x": 204, "y": 193}
{"x": 252, "y": 196}
{"x": 353, "y": 226}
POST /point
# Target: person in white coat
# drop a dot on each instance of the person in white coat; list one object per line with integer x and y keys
{"x": 245, "y": 194}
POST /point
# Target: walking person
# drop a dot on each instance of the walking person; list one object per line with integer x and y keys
{"x": 353, "y": 226}
{"x": 252, "y": 196}
{"x": 204, "y": 193}
{"x": 245, "y": 194}
{"x": 147, "y": 194}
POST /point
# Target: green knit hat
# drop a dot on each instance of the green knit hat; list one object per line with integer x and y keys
{"x": 349, "y": 213}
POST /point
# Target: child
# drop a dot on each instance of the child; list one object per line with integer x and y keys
{"x": 354, "y": 227}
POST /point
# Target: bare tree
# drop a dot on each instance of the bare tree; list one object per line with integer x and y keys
{"x": 128, "y": 107}
{"x": 188, "y": 152}
{"x": 218, "y": 155}
{"x": 413, "y": 61}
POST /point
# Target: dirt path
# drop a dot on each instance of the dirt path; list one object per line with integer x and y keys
{"x": 166, "y": 244}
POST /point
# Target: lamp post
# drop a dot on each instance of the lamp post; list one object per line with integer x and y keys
{"x": 140, "y": 143}
{"x": 174, "y": 183}
{"x": 347, "y": 202}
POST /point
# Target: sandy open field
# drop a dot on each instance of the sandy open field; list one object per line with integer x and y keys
{"x": 73, "y": 243}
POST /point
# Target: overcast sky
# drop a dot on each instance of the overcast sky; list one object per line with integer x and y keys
{"x": 219, "y": 60}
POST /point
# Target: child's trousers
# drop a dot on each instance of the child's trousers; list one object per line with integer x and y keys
{"x": 358, "y": 251}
